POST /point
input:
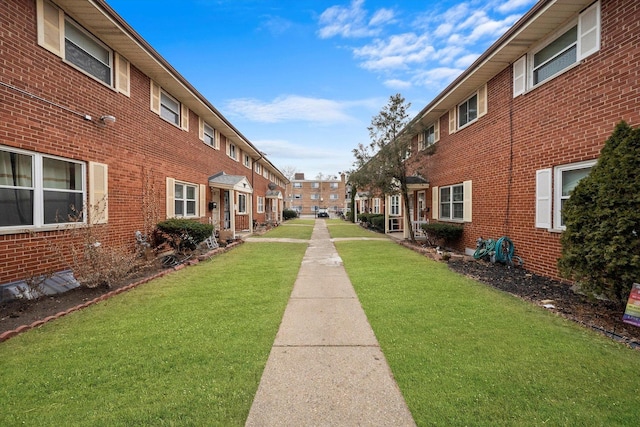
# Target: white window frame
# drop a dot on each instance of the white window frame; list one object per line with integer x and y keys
{"x": 185, "y": 200}
{"x": 210, "y": 135}
{"x": 233, "y": 150}
{"x": 558, "y": 197}
{"x": 333, "y": 196}
{"x": 429, "y": 136}
{"x": 333, "y": 185}
{"x": 242, "y": 204}
{"x": 297, "y": 185}
{"x": 376, "y": 205}
{"x": 38, "y": 190}
{"x": 315, "y": 196}
{"x": 466, "y": 117}
{"x": 394, "y": 205}
{"x": 165, "y": 105}
{"x": 91, "y": 43}
{"x": 297, "y": 196}
{"x": 451, "y": 203}
{"x": 260, "y": 204}
{"x": 246, "y": 160}
{"x": 588, "y": 30}
{"x": 315, "y": 185}
{"x": 257, "y": 168}
{"x": 467, "y": 200}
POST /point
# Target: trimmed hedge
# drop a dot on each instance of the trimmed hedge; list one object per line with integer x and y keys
{"x": 183, "y": 233}
{"x": 443, "y": 231}
{"x": 289, "y": 214}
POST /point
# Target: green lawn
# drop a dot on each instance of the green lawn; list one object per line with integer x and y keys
{"x": 466, "y": 354}
{"x": 292, "y": 229}
{"x": 186, "y": 349}
{"x": 339, "y": 229}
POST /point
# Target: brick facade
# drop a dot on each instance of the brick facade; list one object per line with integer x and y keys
{"x": 307, "y": 196}
{"x": 562, "y": 121}
{"x": 44, "y": 107}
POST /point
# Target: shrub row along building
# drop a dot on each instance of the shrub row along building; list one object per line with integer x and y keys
{"x": 501, "y": 148}
{"x": 97, "y": 128}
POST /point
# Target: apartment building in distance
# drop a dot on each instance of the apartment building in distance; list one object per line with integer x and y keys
{"x": 310, "y": 196}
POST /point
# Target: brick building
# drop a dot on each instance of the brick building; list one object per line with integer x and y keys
{"x": 308, "y": 196}
{"x": 95, "y": 124}
{"x": 504, "y": 144}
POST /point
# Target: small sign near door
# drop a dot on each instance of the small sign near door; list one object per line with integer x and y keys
{"x": 632, "y": 312}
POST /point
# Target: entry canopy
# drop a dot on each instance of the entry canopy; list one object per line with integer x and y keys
{"x": 230, "y": 182}
{"x": 273, "y": 194}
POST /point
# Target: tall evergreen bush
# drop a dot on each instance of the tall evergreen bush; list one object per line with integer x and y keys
{"x": 601, "y": 243}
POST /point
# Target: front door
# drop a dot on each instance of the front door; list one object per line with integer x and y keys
{"x": 227, "y": 210}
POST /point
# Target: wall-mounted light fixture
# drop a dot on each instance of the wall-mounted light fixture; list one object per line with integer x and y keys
{"x": 107, "y": 119}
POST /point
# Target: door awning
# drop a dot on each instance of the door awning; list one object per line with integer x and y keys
{"x": 230, "y": 182}
{"x": 273, "y": 194}
{"x": 417, "y": 183}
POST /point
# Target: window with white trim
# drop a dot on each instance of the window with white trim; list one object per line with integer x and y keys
{"x": 260, "y": 203}
{"x": 169, "y": 108}
{"x": 469, "y": 111}
{"x": 185, "y": 200}
{"x": 233, "y": 151}
{"x": 395, "y": 205}
{"x": 315, "y": 196}
{"x": 315, "y": 185}
{"x": 257, "y": 167}
{"x": 376, "y": 205}
{"x": 565, "y": 48}
{"x": 553, "y": 189}
{"x": 297, "y": 185}
{"x": 430, "y": 136}
{"x": 242, "y": 203}
{"x": 246, "y": 160}
{"x": 452, "y": 202}
{"x": 333, "y": 185}
{"x": 37, "y": 190}
{"x": 209, "y": 135}
{"x": 297, "y": 196}
{"x": 333, "y": 197}
{"x": 87, "y": 53}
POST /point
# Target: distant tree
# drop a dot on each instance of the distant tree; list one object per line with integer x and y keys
{"x": 382, "y": 163}
{"x": 601, "y": 243}
{"x": 289, "y": 172}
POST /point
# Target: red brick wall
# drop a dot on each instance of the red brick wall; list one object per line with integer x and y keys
{"x": 140, "y": 148}
{"x": 563, "y": 121}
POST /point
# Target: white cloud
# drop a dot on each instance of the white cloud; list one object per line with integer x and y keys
{"x": 285, "y": 149}
{"x": 395, "y": 52}
{"x": 398, "y": 84}
{"x": 511, "y": 5}
{"x": 438, "y": 77}
{"x": 297, "y": 108}
{"x": 466, "y": 60}
{"x": 351, "y": 21}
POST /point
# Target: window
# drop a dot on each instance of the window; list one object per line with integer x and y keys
{"x": 568, "y": 46}
{"x": 258, "y": 168}
{"x": 315, "y": 185}
{"x": 209, "y": 135}
{"x": 429, "y": 137}
{"x": 185, "y": 199}
{"x": 468, "y": 111}
{"x": 246, "y": 160}
{"x": 452, "y": 202}
{"x": 560, "y": 185}
{"x": 169, "y": 108}
{"x": 333, "y": 186}
{"x": 395, "y": 205}
{"x": 87, "y": 53}
{"x": 242, "y": 203}
{"x": 232, "y": 151}
{"x": 333, "y": 197}
{"x": 297, "y": 196}
{"x": 38, "y": 190}
{"x": 297, "y": 185}
{"x": 315, "y": 196}
{"x": 260, "y": 202}
{"x": 376, "y": 205}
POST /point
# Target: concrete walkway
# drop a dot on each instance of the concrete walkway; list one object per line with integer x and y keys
{"x": 326, "y": 367}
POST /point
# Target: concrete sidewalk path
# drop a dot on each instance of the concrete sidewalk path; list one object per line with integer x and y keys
{"x": 326, "y": 367}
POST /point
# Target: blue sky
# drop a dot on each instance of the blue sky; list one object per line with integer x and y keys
{"x": 301, "y": 79}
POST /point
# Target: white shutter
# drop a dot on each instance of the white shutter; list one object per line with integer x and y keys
{"x": 184, "y": 117}
{"x": 200, "y": 128}
{"x": 203, "y": 200}
{"x": 589, "y": 31}
{"x": 482, "y": 101}
{"x": 123, "y": 73}
{"x": 543, "y": 198}
{"x": 216, "y": 139}
{"x": 171, "y": 194}
{"x": 452, "y": 120}
{"x": 468, "y": 198}
{"x": 98, "y": 193}
{"x": 520, "y": 76}
{"x": 50, "y": 27}
{"x": 421, "y": 141}
{"x": 435, "y": 203}
{"x": 436, "y": 131}
{"x": 155, "y": 97}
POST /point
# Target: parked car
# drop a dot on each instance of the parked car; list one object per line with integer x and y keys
{"x": 322, "y": 213}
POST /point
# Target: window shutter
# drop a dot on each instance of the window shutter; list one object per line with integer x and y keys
{"x": 171, "y": 194}
{"x": 216, "y": 139}
{"x": 123, "y": 72}
{"x": 543, "y": 198}
{"x": 452, "y": 120}
{"x": 482, "y": 101}
{"x": 468, "y": 201}
{"x": 184, "y": 117}
{"x": 589, "y": 31}
{"x": 436, "y": 131}
{"x": 203, "y": 200}
{"x": 421, "y": 144}
{"x": 98, "y": 192}
{"x": 155, "y": 97}
{"x": 50, "y": 27}
{"x": 435, "y": 203}
{"x": 520, "y": 76}
{"x": 200, "y": 128}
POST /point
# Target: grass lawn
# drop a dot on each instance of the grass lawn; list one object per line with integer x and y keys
{"x": 464, "y": 353}
{"x": 339, "y": 228}
{"x": 292, "y": 229}
{"x": 186, "y": 349}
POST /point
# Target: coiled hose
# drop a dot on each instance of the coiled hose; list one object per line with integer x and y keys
{"x": 501, "y": 250}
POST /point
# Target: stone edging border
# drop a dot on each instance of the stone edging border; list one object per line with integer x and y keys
{"x": 14, "y": 332}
